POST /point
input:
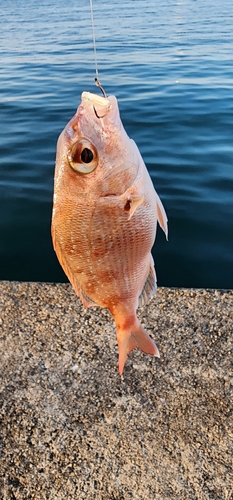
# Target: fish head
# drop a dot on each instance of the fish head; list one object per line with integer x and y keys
{"x": 95, "y": 156}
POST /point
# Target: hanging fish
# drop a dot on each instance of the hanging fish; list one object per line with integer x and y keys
{"x": 105, "y": 212}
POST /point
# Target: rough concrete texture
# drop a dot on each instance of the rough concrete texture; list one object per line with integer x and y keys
{"x": 71, "y": 428}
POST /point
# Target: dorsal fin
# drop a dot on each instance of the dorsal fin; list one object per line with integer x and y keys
{"x": 162, "y": 217}
{"x": 150, "y": 286}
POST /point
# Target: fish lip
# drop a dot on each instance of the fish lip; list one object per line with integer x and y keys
{"x": 95, "y": 100}
{"x": 100, "y": 105}
{"x": 105, "y": 109}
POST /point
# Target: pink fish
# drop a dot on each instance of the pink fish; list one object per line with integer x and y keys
{"x": 105, "y": 212}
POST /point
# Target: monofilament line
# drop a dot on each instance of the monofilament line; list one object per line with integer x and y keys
{"x": 97, "y": 82}
{"x": 94, "y": 42}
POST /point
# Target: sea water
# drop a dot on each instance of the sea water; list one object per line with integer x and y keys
{"x": 170, "y": 65}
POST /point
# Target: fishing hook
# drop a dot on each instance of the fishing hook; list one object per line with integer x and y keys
{"x": 98, "y": 84}
{"x": 96, "y": 114}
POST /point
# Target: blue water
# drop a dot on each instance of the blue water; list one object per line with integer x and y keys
{"x": 170, "y": 64}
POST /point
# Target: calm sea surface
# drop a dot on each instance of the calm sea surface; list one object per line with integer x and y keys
{"x": 170, "y": 64}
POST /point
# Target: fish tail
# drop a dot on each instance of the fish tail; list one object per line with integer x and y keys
{"x": 131, "y": 337}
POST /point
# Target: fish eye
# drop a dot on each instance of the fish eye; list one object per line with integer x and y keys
{"x": 83, "y": 157}
{"x": 87, "y": 155}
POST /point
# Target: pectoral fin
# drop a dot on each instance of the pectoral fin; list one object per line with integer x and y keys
{"x": 132, "y": 202}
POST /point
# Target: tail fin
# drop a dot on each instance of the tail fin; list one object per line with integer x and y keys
{"x": 132, "y": 338}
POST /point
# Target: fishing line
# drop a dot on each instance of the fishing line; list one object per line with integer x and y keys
{"x": 97, "y": 82}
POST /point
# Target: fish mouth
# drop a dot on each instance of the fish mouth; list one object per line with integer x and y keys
{"x": 95, "y": 99}
{"x": 105, "y": 109}
{"x": 101, "y": 105}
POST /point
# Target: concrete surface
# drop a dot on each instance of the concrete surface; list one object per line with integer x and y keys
{"x": 71, "y": 428}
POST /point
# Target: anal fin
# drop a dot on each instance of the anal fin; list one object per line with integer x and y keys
{"x": 87, "y": 302}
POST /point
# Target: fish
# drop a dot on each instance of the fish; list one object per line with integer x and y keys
{"x": 104, "y": 219}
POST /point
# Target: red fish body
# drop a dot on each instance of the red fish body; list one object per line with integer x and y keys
{"x": 105, "y": 212}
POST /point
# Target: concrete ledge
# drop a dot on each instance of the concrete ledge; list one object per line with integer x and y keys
{"x": 72, "y": 429}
